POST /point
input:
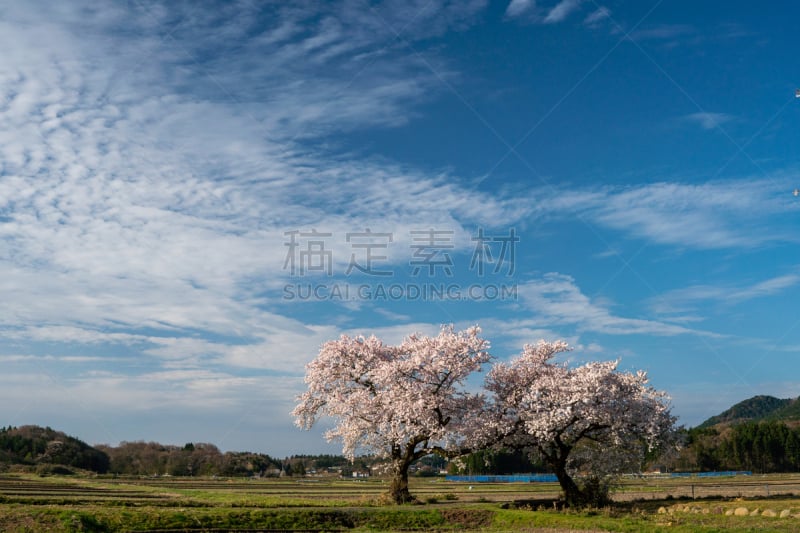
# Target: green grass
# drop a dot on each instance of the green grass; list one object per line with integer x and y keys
{"x": 79, "y": 504}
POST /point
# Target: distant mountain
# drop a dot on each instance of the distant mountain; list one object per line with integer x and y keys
{"x": 758, "y": 408}
{"x": 34, "y": 445}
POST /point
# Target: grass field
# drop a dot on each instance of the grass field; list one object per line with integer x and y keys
{"x": 30, "y": 503}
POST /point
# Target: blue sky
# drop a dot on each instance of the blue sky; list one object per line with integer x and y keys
{"x": 175, "y": 177}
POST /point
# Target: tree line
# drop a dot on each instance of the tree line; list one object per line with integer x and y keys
{"x": 762, "y": 447}
{"x": 192, "y": 459}
{"x": 39, "y": 449}
{"x": 498, "y": 462}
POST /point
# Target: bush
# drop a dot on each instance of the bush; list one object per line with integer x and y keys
{"x": 596, "y": 491}
{"x": 53, "y": 470}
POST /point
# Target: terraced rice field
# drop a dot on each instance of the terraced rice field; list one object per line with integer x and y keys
{"x": 29, "y": 503}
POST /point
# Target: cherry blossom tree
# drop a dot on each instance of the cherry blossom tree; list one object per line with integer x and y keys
{"x": 400, "y": 402}
{"x": 591, "y": 419}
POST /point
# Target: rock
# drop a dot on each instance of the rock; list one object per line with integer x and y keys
{"x": 662, "y": 510}
{"x": 729, "y": 512}
{"x": 769, "y": 512}
{"x": 717, "y": 510}
{"x": 785, "y": 513}
{"x": 741, "y": 511}
{"x": 755, "y": 512}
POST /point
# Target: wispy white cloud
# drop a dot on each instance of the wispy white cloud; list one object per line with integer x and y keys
{"x": 531, "y": 11}
{"x": 709, "y": 215}
{"x": 663, "y": 32}
{"x": 558, "y": 302}
{"x": 561, "y": 11}
{"x": 520, "y": 7}
{"x": 597, "y": 16}
{"x": 689, "y": 298}
{"x": 16, "y": 358}
{"x": 708, "y": 120}
{"x": 674, "y": 35}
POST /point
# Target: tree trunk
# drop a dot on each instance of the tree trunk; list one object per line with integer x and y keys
{"x": 556, "y": 455}
{"x": 573, "y": 497}
{"x": 398, "y": 490}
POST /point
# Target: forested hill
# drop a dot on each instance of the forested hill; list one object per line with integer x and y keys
{"x": 756, "y": 409}
{"x": 34, "y": 445}
{"x": 45, "y": 450}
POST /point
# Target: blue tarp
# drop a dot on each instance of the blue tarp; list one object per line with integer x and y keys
{"x": 712, "y": 474}
{"x": 551, "y": 478}
{"x": 725, "y": 473}
{"x": 516, "y": 478}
